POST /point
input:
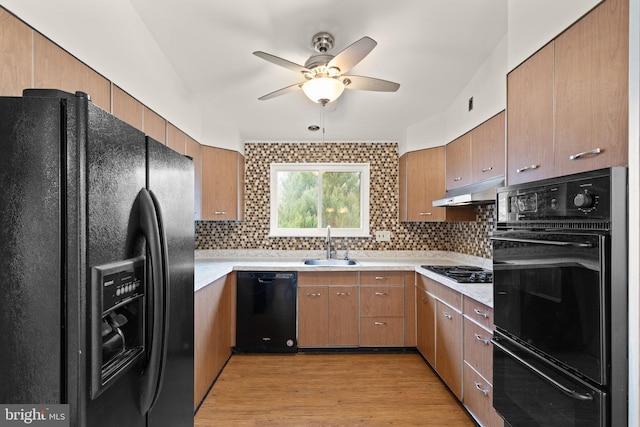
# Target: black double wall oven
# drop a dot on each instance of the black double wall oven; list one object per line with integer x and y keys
{"x": 560, "y": 301}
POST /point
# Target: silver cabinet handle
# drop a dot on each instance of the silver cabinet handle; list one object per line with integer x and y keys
{"x": 486, "y": 341}
{"x": 484, "y": 391}
{"x": 343, "y": 293}
{"x": 382, "y": 278}
{"x": 584, "y": 153}
{"x": 447, "y": 315}
{"x": 314, "y": 295}
{"x": 458, "y": 178}
{"x": 526, "y": 168}
{"x": 425, "y": 213}
{"x": 380, "y": 294}
{"x": 380, "y": 323}
{"x": 480, "y": 313}
{"x": 220, "y": 213}
{"x": 483, "y": 170}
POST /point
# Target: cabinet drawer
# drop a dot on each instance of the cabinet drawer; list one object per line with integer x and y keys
{"x": 478, "y": 350}
{"x": 382, "y": 278}
{"x": 443, "y": 293}
{"x": 480, "y": 313}
{"x": 381, "y": 332}
{"x": 382, "y": 301}
{"x": 478, "y": 398}
{"x": 327, "y": 278}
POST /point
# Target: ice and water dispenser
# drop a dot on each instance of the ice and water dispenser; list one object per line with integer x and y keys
{"x": 117, "y": 320}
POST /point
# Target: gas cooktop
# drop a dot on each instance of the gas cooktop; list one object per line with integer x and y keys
{"x": 462, "y": 273}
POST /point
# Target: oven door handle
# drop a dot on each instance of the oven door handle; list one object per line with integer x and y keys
{"x": 571, "y": 393}
{"x": 544, "y": 242}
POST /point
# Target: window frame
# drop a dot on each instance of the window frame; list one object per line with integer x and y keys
{"x": 363, "y": 168}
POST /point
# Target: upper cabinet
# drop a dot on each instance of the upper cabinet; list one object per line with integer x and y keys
{"x": 15, "y": 45}
{"x": 176, "y": 139}
{"x": 478, "y": 154}
{"x": 194, "y": 150}
{"x": 154, "y": 125}
{"x": 568, "y": 104}
{"x": 421, "y": 182}
{"x": 126, "y": 108}
{"x": 222, "y": 184}
{"x": 458, "y": 162}
{"x": 592, "y": 73}
{"x": 488, "y": 145}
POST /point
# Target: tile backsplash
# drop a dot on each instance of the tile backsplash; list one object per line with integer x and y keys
{"x": 253, "y": 233}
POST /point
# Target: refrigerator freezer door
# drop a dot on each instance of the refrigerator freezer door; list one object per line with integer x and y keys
{"x": 171, "y": 180}
{"x": 32, "y": 282}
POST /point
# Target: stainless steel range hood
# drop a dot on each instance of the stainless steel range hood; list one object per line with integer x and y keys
{"x": 480, "y": 193}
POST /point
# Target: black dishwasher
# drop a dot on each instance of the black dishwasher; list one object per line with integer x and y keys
{"x": 266, "y": 312}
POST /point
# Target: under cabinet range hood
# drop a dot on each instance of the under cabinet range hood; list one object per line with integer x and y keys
{"x": 479, "y": 193}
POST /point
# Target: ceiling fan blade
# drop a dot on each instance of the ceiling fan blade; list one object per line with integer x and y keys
{"x": 352, "y": 54}
{"x": 369, "y": 83}
{"x": 282, "y": 91}
{"x": 281, "y": 62}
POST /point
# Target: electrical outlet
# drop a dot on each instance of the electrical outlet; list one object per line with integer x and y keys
{"x": 383, "y": 236}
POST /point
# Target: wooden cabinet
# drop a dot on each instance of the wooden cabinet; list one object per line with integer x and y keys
{"x": 154, "y": 125}
{"x": 126, "y": 107}
{"x": 328, "y": 309}
{"x": 568, "y": 104}
{"x": 213, "y": 332}
{"x": 422, "y": 180}
{"x": 176, "y": 139}
{"x": 488, "y": 144}
{"x": 15, "y": 45}
{"x": 458, "y": 162}
{"x": 53, "y": 67}
{"x": 441, "y": 307}
{"x": 478, "y": 363}
{"x": 530, "y": 103}
{"x": 425, "y": 324}
{"x": 592, "y": 74}
{"x": 222, "y": 184}
{"x": 382, "y": 309}
{"x": 193, "y": 150}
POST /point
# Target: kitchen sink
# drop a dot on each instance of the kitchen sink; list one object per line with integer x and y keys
{"x": 331, "y": 262}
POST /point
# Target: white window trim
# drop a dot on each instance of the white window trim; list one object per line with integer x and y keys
{"x": 363, "y": 231}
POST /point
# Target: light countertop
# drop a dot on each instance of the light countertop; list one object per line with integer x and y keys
{"x": 212, "y": 265}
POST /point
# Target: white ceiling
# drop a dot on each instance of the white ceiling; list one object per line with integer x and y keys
{"x": 431, "y": 47}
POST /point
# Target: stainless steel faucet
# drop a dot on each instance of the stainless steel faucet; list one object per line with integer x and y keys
{"x": 328, "y": 242}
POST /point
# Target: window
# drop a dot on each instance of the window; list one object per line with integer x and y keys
{"x": 307, "y": 197}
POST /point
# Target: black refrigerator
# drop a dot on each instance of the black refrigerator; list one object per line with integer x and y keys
{"x": 96, "y": 265}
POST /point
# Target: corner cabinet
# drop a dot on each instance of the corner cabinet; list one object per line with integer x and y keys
{"x": 568, "y": 103}
{"x": 422, "y": 180}
{"x": 222, "y": 184}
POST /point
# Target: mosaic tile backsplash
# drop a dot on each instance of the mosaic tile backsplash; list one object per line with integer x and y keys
{"x": 470, "y": 238}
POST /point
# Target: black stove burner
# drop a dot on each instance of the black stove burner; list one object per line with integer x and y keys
{"x": 462, "y": 273}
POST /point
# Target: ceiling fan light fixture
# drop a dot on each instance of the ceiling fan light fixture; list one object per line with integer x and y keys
{"x": 321, "y": 89}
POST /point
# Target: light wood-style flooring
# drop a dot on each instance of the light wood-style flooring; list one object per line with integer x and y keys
{"x": 330, "y": 390}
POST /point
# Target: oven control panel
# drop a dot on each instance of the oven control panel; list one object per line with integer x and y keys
{"x": 577, "y": 197}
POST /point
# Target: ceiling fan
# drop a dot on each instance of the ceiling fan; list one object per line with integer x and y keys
{"x": 324, "y": 74}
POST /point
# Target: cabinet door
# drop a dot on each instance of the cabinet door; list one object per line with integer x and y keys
{"x": 530, "y": 107}
{"x": 449, "y": 347}
{"x": 219, "y": 184}
{"x": 193, "y": 150}
{"x": 592, "y": 65}
{"x": 458, "y": 169}
{"x": 425, "y": 183}
{"x": 127, "y": 108}
{"x": 313, "y": 312}
{"x": 488, "y": 149}
{"x": 478, "y": 398}
{"x": 15, "y": 45}
{"x": 176, "y": 139}
{"x": 154, "y": 125}
{"x": 343, "y": 316}
{"x": 425, "y": 327}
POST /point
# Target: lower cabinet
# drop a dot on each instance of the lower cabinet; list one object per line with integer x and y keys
{"x": 328, "y": 309}
{"x": 425, "y": 321}
{"x": 449, "y": 346}
{"x": 382, "y": 309}
{"x": 214, "y": 333}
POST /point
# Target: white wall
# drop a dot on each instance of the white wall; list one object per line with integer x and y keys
{"x": 120, "y": 48}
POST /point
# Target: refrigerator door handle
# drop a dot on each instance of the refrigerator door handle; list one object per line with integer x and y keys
{"x": 156, "y": 246}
